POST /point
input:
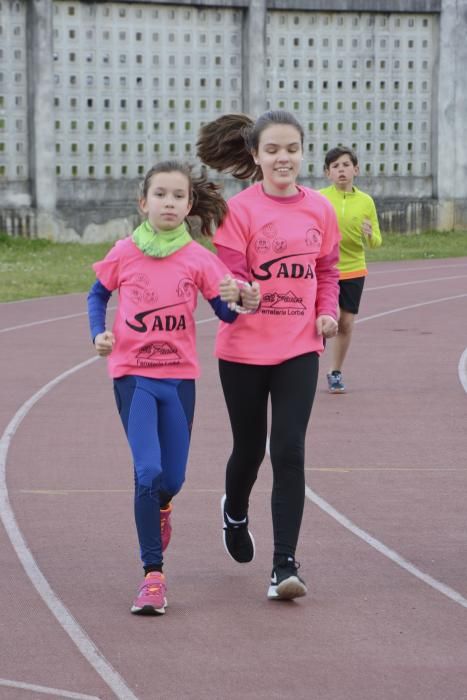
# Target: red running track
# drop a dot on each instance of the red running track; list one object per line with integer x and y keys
{"x": 383, "y": 546}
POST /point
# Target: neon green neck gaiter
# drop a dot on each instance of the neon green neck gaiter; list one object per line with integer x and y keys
{"x": 160, "y": 244}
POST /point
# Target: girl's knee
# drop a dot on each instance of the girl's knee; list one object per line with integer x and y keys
{"x": 172, "y": 485}
{"x": 252, "y": 459}
{"x": 290, "y": 454}
{"x": 148, "y": 476}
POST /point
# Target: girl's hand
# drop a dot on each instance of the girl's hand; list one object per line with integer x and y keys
{"x": 326, "y": 326}
{"x": 228, "y": 290}
{"x": 104, "y": 342}
{"x": 367, "y": 229}
{"x": 251, "y": 296}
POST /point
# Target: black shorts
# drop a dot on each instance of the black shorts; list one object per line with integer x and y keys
{"x": 350, "y": 293}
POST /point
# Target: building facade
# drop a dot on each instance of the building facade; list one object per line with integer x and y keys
{"x": 93, "y": 93}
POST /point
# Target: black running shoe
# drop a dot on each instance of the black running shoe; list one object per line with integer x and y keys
{"x": 286, "y": 584}
{"x": 238, "y": 540}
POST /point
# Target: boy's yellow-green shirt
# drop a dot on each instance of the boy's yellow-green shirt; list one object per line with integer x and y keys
{"x": 352, "y": 208}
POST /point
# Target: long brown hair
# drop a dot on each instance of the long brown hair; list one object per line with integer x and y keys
{"x": 208, "y": 204}
{"x": 227, "y": 143}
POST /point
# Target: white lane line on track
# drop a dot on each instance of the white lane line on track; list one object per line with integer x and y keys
{"x": 65, "y": 318}
{"x": 47, "y": 691}
{"x": 365, "y": 536}
{"x": 390, "y": 270}
{"x": 49, "y": 320}
{"x": 367, "y": 289}
{"x": 407, "y": 284}
{"x": 39, "y": 323}
{"x": 382, "y": 549}
{"x": 64, "y": 617}
{"x": 62, "y": 614}
{"x": 410, "y": 306}
{"x": 462, "y": 370}
{"x": 39, "y": 299}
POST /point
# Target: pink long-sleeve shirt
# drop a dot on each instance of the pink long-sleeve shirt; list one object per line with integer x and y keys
{"x": 291, "y": 248}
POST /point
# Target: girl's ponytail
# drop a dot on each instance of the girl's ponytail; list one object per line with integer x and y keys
{"x": 208, "y": 203}
{"x": 225, "y": 145}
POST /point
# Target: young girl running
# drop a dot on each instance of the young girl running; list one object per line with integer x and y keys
{"x": 284, "y": 236}
{"x": 151, "y": 349}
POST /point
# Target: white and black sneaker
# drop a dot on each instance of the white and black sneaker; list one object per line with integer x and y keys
{"x": 238, "y": 540}
{"x": 286, "y": 584}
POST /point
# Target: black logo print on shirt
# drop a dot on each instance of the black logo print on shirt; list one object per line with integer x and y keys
{"x": 282, "y": 304}
{"x": 284, "y": 269}
{"x": 156, "y": 354}
{"x": 167, "y": 322}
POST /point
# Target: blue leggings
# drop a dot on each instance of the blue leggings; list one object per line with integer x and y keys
{"x": 157, "y": 415}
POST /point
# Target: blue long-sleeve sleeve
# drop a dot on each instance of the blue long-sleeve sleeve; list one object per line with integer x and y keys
{"x": 222, "y": 311}
{"x": 98, "y": 298}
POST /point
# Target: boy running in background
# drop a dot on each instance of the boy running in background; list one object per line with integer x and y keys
{"x": 358, "y": 224}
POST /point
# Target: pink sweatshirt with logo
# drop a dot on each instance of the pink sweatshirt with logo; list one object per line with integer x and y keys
{"x": 154, "y": 324}
{"x": 291, "y": 248}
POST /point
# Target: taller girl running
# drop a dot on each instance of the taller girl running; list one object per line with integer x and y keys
{"x": 285, "y": 237}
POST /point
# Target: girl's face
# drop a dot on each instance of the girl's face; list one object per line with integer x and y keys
{"x": 341, "y": 172}
{"x": 280, "y": 156}
{"x": 167, "y": 202}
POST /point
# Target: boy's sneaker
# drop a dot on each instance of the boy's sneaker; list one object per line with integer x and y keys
{"x": 286, "y": 584}
{"x": 238, "y": 540}
{"x": 166, "y": 526}
{"x": 335, "y": 383}
{"x": 151, "y": 598}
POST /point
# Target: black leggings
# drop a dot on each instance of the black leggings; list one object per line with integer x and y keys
{"x": 292, "y": 386}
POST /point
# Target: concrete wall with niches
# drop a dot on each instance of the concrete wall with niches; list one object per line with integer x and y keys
{"x": 92, "y": 94}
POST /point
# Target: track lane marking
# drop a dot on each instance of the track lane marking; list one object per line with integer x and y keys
{"x": 391, "y": 554}
{"x": 64, "y": 617}
{"x": 462, "y": 370}
{"x": 410, "y": 306}
{"x": 408, "y": 470}
{"x": 390, "y": 271}
{"x": 44, "y": 689}
{"x": 412, "y": 282}
{"x": 112, "y": 308}
{"x": 386, "y": 551}
{"x": 49, "y": 320}
{"x": 333, "y": 470}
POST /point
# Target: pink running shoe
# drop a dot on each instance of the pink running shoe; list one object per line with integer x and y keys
{"x": 166, "y": 526}
{"x": 151, "y": 598}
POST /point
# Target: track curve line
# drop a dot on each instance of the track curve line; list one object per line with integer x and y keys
{"x": 49, "y": 320}
{"x": 410, "y": 306}
{"x": 64, "y": 617}
{"x": 32, "y": 688}
{"x": 412, "y": 282}
{"x": 382, "y": 549}
{"x": 393, "y": 270}
{"x": 391, "y": 554}
{"x": 462, "y": 370}
{"x": 362, "y": 534}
